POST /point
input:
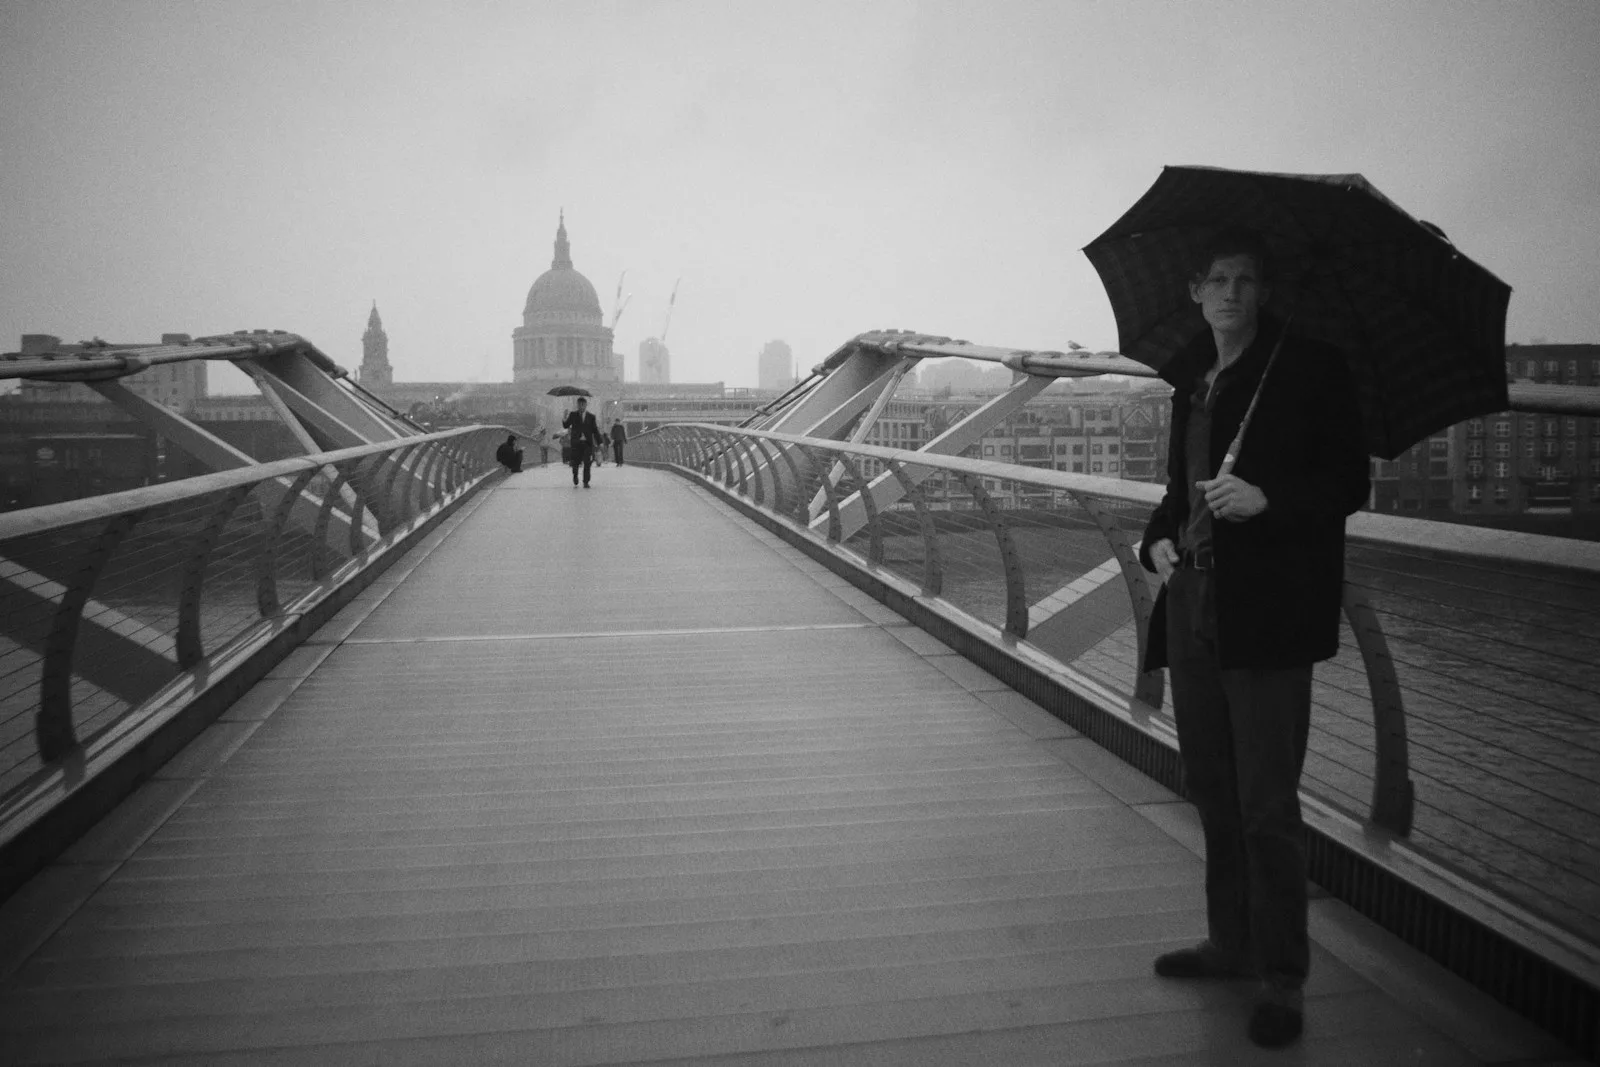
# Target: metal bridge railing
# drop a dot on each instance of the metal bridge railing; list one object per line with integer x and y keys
{"x": 1459, "y": 716}
{"x": 112, "y": 604}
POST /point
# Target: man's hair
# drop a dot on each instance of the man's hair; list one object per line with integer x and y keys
{"x": 1234, "y": 241}
{"x": 583, "y": 400}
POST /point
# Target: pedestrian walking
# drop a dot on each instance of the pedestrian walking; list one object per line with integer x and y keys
{"x": 619, "y": 437}
{"x": 584, "y": 440}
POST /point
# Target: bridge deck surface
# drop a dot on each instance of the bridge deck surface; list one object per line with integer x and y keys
{"x": 614, "y": 776}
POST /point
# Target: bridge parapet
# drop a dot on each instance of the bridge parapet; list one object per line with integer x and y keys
{"x": 1449, "y": 786}
{"x": 122, "y": 613}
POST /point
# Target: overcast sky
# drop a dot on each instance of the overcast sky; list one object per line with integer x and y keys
{"x": 811, "y": 170}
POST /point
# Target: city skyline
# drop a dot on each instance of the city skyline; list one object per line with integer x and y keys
{"x": 809, "y": 176}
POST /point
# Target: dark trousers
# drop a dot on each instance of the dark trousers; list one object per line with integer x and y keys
{"x": 1243, "y": 739}
{"x": 582, "y": 454}
{"x": 616, "y": 451}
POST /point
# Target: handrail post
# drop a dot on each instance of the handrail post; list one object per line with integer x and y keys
{"x": 829, "y": 490}
{"x": 932, "y": 560}
{"x": 802, "y": 507}
{"x": 1392, "y": 796}
{"x": 1149, "y": 688}
{"x": 874, "y": 528}
{"x": 52, "y": 724}
{"x": 267, "y": 557}
{"x": 1010, "y": 563}
{"x": 190, "y": 644}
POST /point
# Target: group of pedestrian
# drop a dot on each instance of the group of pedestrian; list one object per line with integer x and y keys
{"x": 584, "y": 446}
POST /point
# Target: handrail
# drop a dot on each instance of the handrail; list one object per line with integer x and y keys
{"x": 1392, "y": 800}
{"x": 26, "y": 521}
{"x": 1393, "y": 531}
{"x": 133, "y": 591}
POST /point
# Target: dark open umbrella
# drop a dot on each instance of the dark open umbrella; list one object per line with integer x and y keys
{"x": 569, "y": 390}
{"x": 1422, "y": 325}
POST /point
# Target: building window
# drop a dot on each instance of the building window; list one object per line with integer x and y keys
{"x": 1501, "y": 494}
{"x": 1572, "y": 368}
{"x": 1552, "y": 366}
{"x": 1570, "y": 426}
{"x": 1096, "y": 467}
{"x": 1502, "y": 469}
{"x": 1551, "y": 448}
{"x": 1475, "y": 469}
{"x": 1528, "y": 449}
{"x": 988, "y": 450}
{"x": 1547, "y": 472}
{"x": 1572, "y": 448}
{"x": 1474, "y": 427}
{"x": 1530, "y": 426}
{"x": 1594, "y": 468}
{"x": 1077, "y": 450}
{"x": 1438, "y": 448}
{"x": 1077, "y": 468}
{"x": 1061, "y": 448}
{"x": 1474, "y": 493}
{"x": 1502, "y": 448}
{"x": 1112, "y": 466}
{"x": 1502, "y": 428}
{"x": 1097, "y": 449}
{"x": 1112, "y": 449}
{"x": 1475, "y": 449}
{"x": 1005, "y": 450}
{"x": 1551, "y": 427}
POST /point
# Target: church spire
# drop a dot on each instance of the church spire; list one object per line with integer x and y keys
{"x": 373, "y": 322}
{"x": 563, "y": 260}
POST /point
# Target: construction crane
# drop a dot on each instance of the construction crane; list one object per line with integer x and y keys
{"x": 619, "y": 303}
{"x": 673, "y": 299}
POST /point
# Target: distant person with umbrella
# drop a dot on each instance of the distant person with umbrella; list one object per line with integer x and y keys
{"x": 619, "y": 437}
{"x": 1394, "y": 335}
{"x": 585, "y": 438}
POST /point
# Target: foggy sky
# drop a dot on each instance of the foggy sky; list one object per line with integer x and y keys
{"x": 811, "y": 170}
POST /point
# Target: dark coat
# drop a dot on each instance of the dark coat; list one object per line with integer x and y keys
{"x": 619, "y": 435}
{"x": 585, "y": 431}
{"x": 1279, "y": 576}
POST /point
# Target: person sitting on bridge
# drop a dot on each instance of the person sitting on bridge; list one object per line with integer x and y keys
{"x": 1253, "y": 570}
{"x": 510, "y": 455}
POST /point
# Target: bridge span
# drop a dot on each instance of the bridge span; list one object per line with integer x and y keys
{"x": 620, "y": 776}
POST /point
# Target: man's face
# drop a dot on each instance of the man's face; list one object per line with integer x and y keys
{"x": 1231, "y": 294}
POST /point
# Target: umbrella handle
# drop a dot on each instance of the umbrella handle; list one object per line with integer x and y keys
{"x": 1232, "y": 455}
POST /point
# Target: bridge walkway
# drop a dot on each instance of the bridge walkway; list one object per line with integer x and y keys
{"x": 615, "y": 776}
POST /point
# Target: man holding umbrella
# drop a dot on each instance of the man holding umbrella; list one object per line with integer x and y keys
{"x": 1253, "y": 564}
{"x": 1270, "y": 436}
{"x": 585, "y": 438}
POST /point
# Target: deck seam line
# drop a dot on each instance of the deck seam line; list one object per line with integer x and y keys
{"x": 575, "y": 634}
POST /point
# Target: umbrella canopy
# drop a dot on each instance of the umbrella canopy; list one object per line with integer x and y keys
{"x": 1423, "y": 327}
{"x": 569, "y": 390}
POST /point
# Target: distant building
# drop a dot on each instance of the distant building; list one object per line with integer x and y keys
{"x": 563, "y": 338}
{"x": 775, "y": 367}
{"x": 375, "y": 370}
{"x": 1532, "y": 464}
{"x": 655, "y": 362}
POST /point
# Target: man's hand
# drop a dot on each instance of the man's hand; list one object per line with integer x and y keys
{"x": 1164, "y": 554}
{"x": 1232, "y": 499}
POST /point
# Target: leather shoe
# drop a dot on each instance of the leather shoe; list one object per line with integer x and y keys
{"x": 1277, "y": 1020}
{"x": 1203, "y": 961}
